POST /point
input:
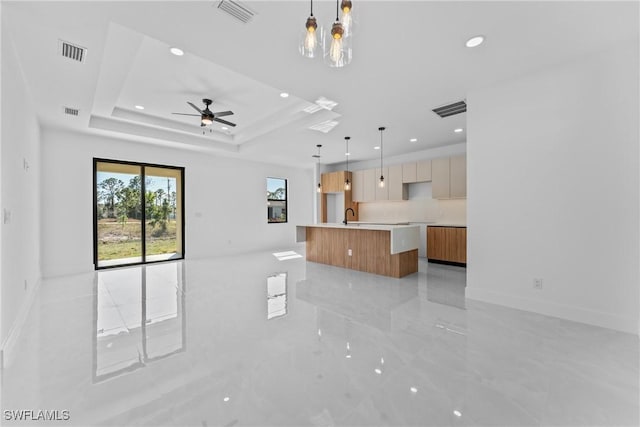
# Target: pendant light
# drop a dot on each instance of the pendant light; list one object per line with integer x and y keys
{"x": 381, "y": 183}
{"x": 347, "y": 182}
{"x": 309, "y": 42}
{"x": 347, "y": 17}
{"x": 339, "y": 53}
{"x": 319, "y": 188}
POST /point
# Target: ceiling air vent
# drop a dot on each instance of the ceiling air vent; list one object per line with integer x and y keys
{"x": 237, "y": 10}
{"x": 451, "y": 109}
{"x": 71, "y": 111}
{"x": 71, "y": 51}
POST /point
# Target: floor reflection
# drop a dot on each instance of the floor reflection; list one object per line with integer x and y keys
{"x": 139, "y": 316}
{"x": 330, "y": 347}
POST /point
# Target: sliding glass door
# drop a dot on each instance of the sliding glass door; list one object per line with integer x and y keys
{"x": 138, "y": 213}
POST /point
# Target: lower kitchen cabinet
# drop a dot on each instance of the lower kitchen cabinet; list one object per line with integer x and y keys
{"x": 447, "y": 244}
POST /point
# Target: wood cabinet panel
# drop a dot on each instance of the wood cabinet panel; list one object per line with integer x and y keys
{"x": 409, "y": 172}
{"x": 458, "y": 177}
{"x": 333, "y": 182}
{"x": 440, "y": 178}
{"x": 447, "y": 244}
{"x": 423, "y": 171}
{"x": 370, "y": 251}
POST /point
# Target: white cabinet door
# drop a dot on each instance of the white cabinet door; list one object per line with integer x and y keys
{"x": 357, "y": 186}
{"x": 409, "y": 172}
{"x": 369, "y": 182}
{"x": 423, "y": 171}
{"x": 458, "y": 177}
{"x": 395, "y": 183}
{"x": 440, "y": 178}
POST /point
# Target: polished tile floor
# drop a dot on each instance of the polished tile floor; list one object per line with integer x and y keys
{"x": 271, "y": 340}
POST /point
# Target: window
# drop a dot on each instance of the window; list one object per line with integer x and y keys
{"x": 276, "y": 200}
{"x": 138, "y": 213}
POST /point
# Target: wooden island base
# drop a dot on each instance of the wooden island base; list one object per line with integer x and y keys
{"x": 370, "y": 251}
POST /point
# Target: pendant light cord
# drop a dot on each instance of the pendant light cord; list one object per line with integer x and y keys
{"x": 337, "y": 13}
{"x": 311, "y": 7}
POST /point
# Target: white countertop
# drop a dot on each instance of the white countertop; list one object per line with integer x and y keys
{"x": 361, "y": 225}
{"x": 402, "y": 237}
{"x": 446, "y": 224}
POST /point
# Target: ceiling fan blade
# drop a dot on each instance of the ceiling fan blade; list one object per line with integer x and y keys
{"x": 196, "y": 108}
{"x": 224, "y": 122}
{"x": 187, "y": 114}
{"x": 223, "y": 113}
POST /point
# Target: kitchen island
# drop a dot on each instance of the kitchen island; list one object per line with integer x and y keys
{"x": 388, "y": 250}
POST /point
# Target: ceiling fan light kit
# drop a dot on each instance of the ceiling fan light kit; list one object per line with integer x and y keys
{"x": 207, "y": 117}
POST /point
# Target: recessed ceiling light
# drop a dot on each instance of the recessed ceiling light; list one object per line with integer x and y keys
{"x": 347, "y": 154}
{"x": 225, "y": 128}
{"x": 413, "y": 140}
{"x": 475, "y": 41}
{"x": 284, "y": 95}
{"x": 139, "y": 107}
{"x": 457, "y": 413}
{"x": 377, "y": 147}
{"x": 176, "y": 51}
{"x": 458, "y": 130}
{"x": 413, "y": 390}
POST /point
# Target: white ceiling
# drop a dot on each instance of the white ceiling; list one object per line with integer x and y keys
{"x": 409, "y": 57}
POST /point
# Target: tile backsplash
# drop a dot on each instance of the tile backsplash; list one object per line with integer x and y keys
{"x": 418, "y": 210}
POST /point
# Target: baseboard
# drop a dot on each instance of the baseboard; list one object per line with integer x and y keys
{"x": 568, "y": 312}
{"x": 8, "y": 345}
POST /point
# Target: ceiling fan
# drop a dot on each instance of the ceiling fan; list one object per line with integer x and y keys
{"x": 207, "y": 116}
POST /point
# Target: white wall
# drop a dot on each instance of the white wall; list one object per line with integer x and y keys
{"x": 225, "y": 199}
{"x": 553, "y": 191}
{"x": 20, "y": 256}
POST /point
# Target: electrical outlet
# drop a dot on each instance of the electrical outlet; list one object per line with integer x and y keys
{"x": 350, "y": 252}
{"x": 537, "y": 283}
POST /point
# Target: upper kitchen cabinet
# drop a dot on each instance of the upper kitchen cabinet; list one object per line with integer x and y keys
{"x": 449, "y": 177}
{"x": 397, "y": 191}
{"x": 409, "y": 173}
{"x": 357, "y": 186}
{"x": 458, "y": 177}
{"x": 440, "y": 178}
{"x": 369, "y": 184}
{"x": 423, "y": 171}
{"x": 333, "y": 182}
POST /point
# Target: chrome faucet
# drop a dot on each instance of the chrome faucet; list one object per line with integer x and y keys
{"x": 345, "y": 215}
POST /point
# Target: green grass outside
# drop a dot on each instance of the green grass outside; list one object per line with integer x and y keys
{"x": 116, "y": 240}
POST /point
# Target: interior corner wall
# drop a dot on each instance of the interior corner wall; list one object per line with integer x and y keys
{"x": 20, "y": 193}
{"x": 225, "y": 199}
{"x": 553, "y": 191}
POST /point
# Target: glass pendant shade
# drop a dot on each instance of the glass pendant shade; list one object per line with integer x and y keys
{"x": 310, "y": 40}
{"x": 347, "y": 183}
{"x": 347, "y": 17}
{"x": 319, "y": 187}
{"x": 337, "y": 47}
{"x": 381, "y": 183}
